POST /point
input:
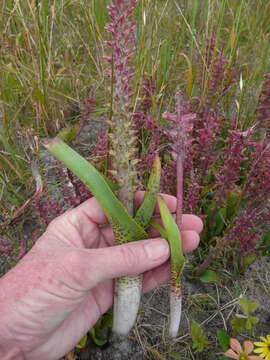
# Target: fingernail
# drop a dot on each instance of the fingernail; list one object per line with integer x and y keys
{"x": 156, "y": 249}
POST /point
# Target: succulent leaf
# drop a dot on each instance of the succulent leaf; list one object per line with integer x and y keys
{"x": 124, "y": 226}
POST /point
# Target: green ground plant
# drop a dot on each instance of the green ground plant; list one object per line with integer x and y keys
{"x": 199, "y": 340}
{"x": 245, "y": 321}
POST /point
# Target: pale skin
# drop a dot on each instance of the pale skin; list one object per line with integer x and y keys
{"x": 58, "y": 291}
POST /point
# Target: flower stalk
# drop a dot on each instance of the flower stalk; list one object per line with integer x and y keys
{"x": 176, "y": 292}
{"x": 183, "y": 125}
{"x": 172, "y": 234}
{"x": 122, "y": 142}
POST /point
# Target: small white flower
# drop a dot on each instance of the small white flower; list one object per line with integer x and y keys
{"x": 241, "y": 83}
{"x": 144, "y": 17}
{"x": 237, "y": 105}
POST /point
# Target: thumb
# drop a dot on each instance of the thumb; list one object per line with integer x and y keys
{"x": 96, "y": 265}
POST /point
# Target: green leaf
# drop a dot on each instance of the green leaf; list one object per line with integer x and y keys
{"x": 232, "y": 202}
{"x": 145, "y": 212}
{"x": 125, "y": 228}
{"x": 97, "y": 341}
{"x": 251, "y": 321}
{"x": 246, "y": 321}
{"x": 106, "y": 320}
{"x": 207, "y": 189}
{"x": 247, "y": 260}
{"x": 209, "y": 276}
{"x": 266, "y": 238}
{"x": 238, "y": 325}
{"x": 220, "y": 221}
{"x": 174, "y": 239}
{"x": 198, "y": 337}
{"x": 82, "y": 343}
{"x": 159, "y": 229}
{"x": 248, "y": 307}
{"x": 266, "y": 243}
{"x": 223, "y": 339}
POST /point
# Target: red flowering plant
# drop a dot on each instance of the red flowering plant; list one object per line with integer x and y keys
{"x": 226, "y": 174}
{"x": 226, "y": 168}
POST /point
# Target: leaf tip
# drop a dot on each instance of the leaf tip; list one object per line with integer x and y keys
{"x": 157, "y": 163}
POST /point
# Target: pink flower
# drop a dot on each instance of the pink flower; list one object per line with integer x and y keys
{"x": 233, "y": 158}
{"x": 236, "y": 351}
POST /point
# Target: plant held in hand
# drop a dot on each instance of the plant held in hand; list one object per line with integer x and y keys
{"x": 126, "y": 229}
{"x": 172, "y": 233}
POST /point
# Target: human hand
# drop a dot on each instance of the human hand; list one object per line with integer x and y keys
{"x": 58, "y": 291}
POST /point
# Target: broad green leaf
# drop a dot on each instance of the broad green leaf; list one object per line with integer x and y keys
{"x": 174, "y": 239}
{"x": 198, "y": 337}
{"x": 238, "y": 325}
{"x": 209, "y": 276}
{"x": 160, "y": 229}
{"x": 223, "y": 339}
{"x": 124, "y": 227}
{"x": 248, "y": 307}
{"x": 246, "y": 321}
{"x": 145, "y": 212}
{"x": 251, "y": 321}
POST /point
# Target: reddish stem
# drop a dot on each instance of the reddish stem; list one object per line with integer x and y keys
{"x": 179, "y": 167}
{"x": 179, "y": 161}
